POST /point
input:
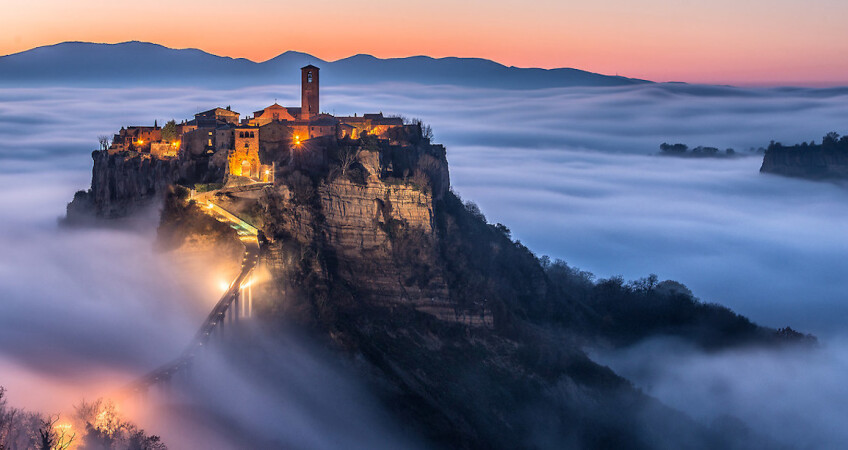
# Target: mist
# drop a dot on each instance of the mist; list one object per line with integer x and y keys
{"x": 794, "y": 396}
{"x": 572, "y": 172}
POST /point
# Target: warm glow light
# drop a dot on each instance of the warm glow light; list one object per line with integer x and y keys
{"x": 223, "y": 285}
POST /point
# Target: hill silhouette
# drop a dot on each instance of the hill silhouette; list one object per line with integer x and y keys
{"x": 146, "y": 64}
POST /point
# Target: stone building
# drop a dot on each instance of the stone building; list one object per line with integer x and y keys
{"x": 243, "y": 158}
{"x": 268, "y": 136}
{"x": 136, "y": 138}
{"x": 309, "y": 107}
{"x": 219, "y": 114}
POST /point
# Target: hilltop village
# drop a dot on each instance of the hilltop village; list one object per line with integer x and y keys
{"x": 252, "y": 144}
{"x": 357, "y": 237}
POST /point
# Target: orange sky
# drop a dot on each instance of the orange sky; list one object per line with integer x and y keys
{"x": 717, "y": 41}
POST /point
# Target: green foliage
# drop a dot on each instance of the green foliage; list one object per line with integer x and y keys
{"x": 302, "y": 187}
{"x": 627, "y": 312}
{"x": 207, "y": 187}
{"x": 181, "y": 192}
{"x": 169, "y": 131}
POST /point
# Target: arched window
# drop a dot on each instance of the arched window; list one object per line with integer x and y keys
{"x": 309, "y": 76}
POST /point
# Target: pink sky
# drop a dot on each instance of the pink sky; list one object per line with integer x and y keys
{"x": 749, "y": 42}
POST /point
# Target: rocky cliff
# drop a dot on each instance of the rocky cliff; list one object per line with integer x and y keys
{"x": 466, "y": 335}
{"x": 828, "y": 160}
{"x": 124, "y": 182}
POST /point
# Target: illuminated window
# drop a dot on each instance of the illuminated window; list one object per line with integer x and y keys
{"x": 309, "y": 76}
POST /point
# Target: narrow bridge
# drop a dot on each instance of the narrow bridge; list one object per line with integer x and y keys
{"x": 235, "y": 302}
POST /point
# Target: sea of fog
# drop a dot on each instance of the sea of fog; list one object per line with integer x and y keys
{"x": 573, "y": 172}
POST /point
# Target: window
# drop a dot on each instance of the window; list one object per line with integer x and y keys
{"x": 309, "y": 76}
{"x": 246, "y": 145}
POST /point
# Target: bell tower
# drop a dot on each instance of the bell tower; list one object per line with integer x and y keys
{"x": 309, "y": 92}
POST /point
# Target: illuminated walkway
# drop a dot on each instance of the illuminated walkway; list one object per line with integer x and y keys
{"x": 237, "y": 301}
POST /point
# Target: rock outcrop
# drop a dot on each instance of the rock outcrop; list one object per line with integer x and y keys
{"x": 462, "y": 332}
{"x": 124, "y": 182}
{"x": 826, "y": 161}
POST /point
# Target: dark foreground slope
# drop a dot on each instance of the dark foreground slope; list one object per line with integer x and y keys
{"x": 468, "y": 337}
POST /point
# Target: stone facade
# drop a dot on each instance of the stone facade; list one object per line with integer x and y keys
{"x": 309, "y": 92}
{"x": 244, "y": 156}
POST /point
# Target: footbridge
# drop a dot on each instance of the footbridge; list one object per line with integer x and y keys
{"x": 235, "y": 303}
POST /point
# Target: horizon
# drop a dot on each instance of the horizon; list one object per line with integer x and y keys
{"x": 765, "y": 84}
{"x": 720, "y": 43}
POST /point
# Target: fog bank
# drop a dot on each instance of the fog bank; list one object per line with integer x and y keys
{"x": 570, "y": 171}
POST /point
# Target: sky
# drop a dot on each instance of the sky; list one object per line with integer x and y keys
{"x": 755, "y": 42}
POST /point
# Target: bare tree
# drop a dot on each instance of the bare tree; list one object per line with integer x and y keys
{"x": 53, "y": 436}
{"x": 347, "y": 157}
{"x": 426, "y": 130}
{"x": 6, "y": 419}
{"x": 104, "y": 141}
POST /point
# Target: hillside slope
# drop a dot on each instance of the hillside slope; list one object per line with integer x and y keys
{"x": 468, "y": 337}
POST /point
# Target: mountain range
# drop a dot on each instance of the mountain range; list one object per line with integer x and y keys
{"x": 146, "y": 64}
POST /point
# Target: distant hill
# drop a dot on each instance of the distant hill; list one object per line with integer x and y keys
{"x": 145, "y": 64}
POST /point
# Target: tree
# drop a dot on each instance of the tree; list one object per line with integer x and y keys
{"x": 104, "y": 141}
{"x": 52, "y": 435}
{"x": 169, "y": 131}
{"x": 347, "y": 157}
{"x": 426, "y": 130}
{"x": 676, "y": 149}
{"x": 830, "y": 139}
{"x": 645, "y": 284}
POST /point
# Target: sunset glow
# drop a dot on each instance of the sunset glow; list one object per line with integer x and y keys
{"x": 662, "y": 40}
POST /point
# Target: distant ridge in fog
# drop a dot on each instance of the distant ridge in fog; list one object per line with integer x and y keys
{"x": 145, "y": 64}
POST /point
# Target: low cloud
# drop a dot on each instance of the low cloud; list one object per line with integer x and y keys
{"x": 571, "y": 171}
{"x": 795, "y": 397}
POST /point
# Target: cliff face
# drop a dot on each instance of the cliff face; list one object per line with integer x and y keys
{"x": 362, "y": 235}
{"x": 813, "y": 162}
{"x": 123, "y": 182}
{"x": 462, "y": 332}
